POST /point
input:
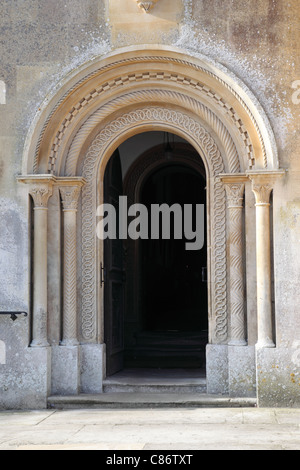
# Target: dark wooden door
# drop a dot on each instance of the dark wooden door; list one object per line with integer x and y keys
{"x": 114, "y": 274}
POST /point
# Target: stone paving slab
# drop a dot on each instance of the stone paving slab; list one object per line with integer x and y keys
{"x": 156, "y": 429}
{"x": 147, "y": 400}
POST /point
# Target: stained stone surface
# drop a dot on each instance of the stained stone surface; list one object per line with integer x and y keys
{"x": 44, "y": 42}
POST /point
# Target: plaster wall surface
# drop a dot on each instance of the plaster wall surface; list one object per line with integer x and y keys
{"x": 43, "y": 42}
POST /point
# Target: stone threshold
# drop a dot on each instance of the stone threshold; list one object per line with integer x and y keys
{"x": 149, "y": 400}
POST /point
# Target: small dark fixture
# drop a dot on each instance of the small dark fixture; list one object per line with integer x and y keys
{"x": 14, "y": 315}
{"x": 168, "y": 148}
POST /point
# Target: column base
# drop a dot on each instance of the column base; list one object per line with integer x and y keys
{"x": 238, "y": 342}
{"x": 39, "y": 344}
{"x": 265, "y": 344}
{"x": 69, "y": 342}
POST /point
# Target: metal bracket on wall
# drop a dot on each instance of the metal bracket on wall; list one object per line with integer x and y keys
{"x": 14, "y": 315}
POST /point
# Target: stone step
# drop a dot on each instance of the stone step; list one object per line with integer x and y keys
{"x": 146, "y": 380}
{"x": 114, "y": 387}
{"x": 148, "y": 400}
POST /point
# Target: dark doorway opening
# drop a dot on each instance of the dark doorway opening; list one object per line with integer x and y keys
{"x": 174, "y": 296}
{"x": 156, "y": 296}
{"x": 173, "y": 286}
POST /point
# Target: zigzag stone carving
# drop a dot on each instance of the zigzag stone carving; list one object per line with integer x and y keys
{"x": 70, "y": 196}
{"x": 176, "y": 120}
{"x": 235, "y": 195}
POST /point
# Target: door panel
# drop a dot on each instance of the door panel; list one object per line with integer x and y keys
{"x": 114, "y": 282}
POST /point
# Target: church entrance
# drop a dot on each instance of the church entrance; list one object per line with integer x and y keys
{"x": 156, "y": 297}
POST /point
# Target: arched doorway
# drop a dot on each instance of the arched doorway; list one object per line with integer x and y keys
{"x": 164, "y": 311}
{"x": 76, "y": 131}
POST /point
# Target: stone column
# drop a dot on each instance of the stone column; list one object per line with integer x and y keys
{"x": 40, "y": 190}
{"x": 235, "y": 187}
{"x": 70, "y": 192}
{"x": 262, "y": 186}
{"x": 40, "y": 195}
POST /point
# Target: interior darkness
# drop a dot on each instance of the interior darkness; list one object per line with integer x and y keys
{"x": 174, "y": 287}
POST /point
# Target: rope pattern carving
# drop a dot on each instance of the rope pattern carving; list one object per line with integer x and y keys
{"x": 70, "y": 291}
{"x": 143, "y": 76}
{"x": 87, "y": 100}
{"x": 164, "y": 96}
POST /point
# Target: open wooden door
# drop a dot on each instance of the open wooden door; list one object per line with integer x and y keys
{"x": 114, "y": 274}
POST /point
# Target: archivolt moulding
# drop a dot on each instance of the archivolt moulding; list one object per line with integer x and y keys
{"x": 147, "y": 96}
{"x": 177, "y": 70}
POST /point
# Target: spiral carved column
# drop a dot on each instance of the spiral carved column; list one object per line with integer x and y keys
{"x": 70, "y": 195}
{"x": 235, "y": 187}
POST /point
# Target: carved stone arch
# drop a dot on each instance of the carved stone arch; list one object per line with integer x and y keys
{"x": 94, "y": 164}
{"x": 98, "y": 83}
{"x": 133, "y": 99}
{"x": 72, "y": 138}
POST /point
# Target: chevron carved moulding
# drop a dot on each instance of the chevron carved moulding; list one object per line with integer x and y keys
{"x": 146, "y": 6}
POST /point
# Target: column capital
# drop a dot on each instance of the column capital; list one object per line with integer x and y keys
{"x": 235, "y": 187}
{"x": 263, "y": 183}
{"x": 235, "y": 194}
{"x": 41, "y": 188}
{"x": 70, "y": 196}
{"x": 70, "y": 190}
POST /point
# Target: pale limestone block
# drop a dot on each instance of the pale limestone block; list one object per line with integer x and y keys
{"x": 2, "y": 353}
{"x": 128, "y": 19}
{"x": 217, "y": 369}
{"x": 65, "y": 370}
{"x": 92, "y": 367}
{"x": 242, "y": 377}
{"x": 2, "y": 92}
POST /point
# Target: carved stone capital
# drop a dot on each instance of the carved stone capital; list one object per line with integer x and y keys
{"x": 263, "y": 184}
{"x": 40, "y": 196}
{"x": 235, "y": 187}
{"x": 262, "y": 193}
{"x": 70, "y": 192}
{"x": 70, "y": 196}
{"x": 41, "y": 188}
{"x": 235, "y": 194}
{"x": 146, "y": 5}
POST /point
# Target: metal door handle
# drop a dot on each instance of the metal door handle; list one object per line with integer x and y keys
{"x": 102, "y": 275}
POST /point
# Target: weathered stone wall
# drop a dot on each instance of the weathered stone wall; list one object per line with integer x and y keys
{"x": 42, "y": 41}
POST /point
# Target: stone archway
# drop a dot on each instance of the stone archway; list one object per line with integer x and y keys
{"x": 168, "y": 120}
{"x": 66, "y": 155}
